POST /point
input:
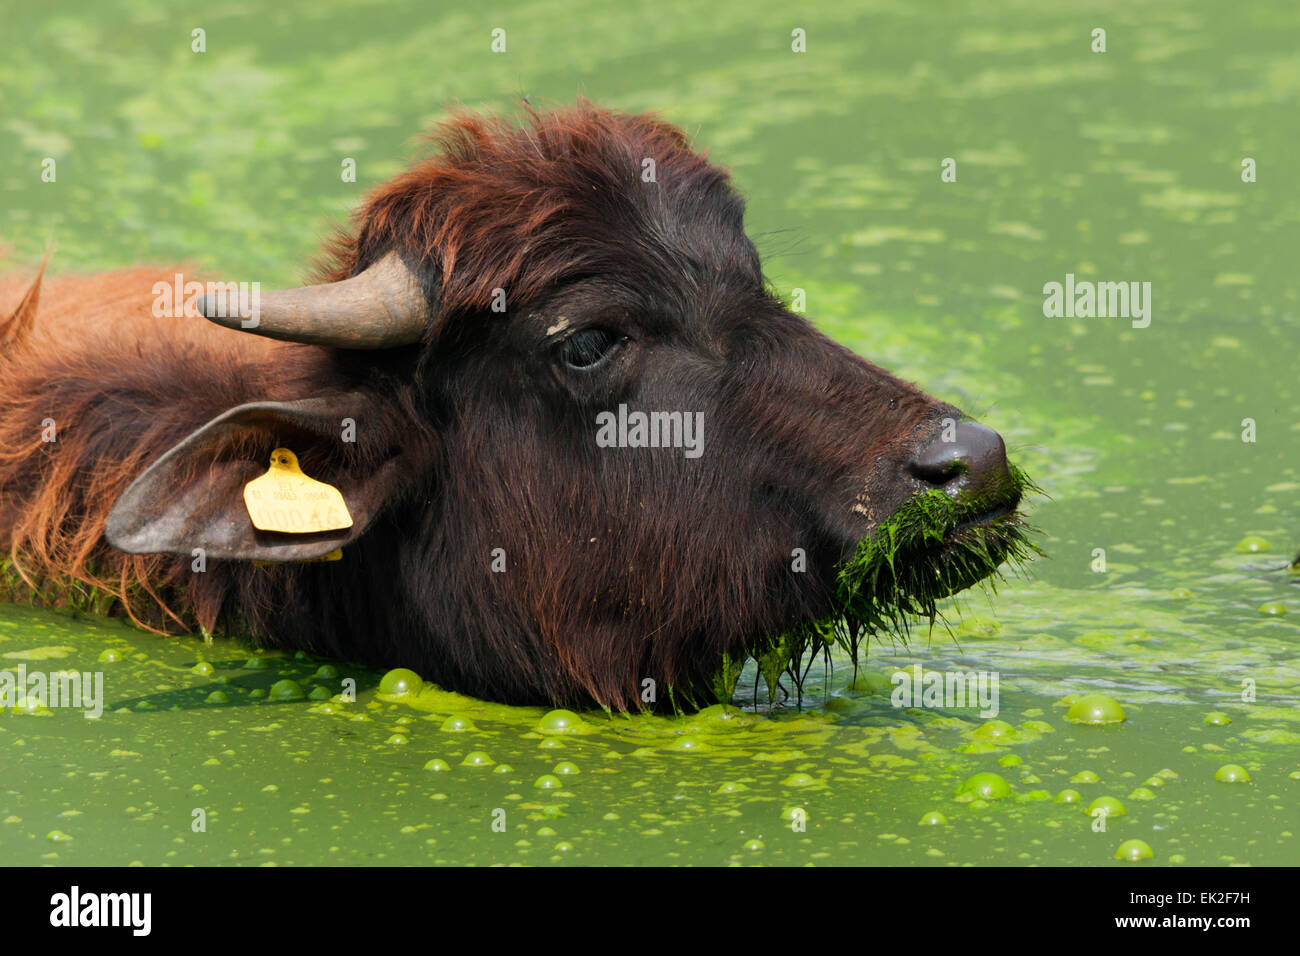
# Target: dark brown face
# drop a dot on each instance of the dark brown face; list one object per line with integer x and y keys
{"x": 790, "y": 452}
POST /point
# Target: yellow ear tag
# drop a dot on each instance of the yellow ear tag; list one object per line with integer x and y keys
{"x": 284, "y": 499}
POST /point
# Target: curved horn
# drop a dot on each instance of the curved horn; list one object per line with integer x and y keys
{"x": 381, "y": 308}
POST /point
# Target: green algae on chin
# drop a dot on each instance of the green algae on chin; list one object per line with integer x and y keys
{"x": 898, "y": 574}
{"x": 942, "y": 558}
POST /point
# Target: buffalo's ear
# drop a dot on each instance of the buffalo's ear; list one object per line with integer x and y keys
{"x": 193, "y": 496}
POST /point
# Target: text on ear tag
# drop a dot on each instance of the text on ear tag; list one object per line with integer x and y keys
{"x": 286, "y": 500}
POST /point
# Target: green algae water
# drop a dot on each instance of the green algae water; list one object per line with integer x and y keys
{"x": 1146, "y": 666}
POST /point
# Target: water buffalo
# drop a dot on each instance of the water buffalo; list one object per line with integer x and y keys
{"x": 580, "y": 443}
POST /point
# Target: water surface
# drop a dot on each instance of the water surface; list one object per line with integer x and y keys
{"x": 1122, "y": 166}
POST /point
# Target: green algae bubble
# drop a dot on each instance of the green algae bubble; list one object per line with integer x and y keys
{"x": 458, "y": 725}
{"x": 798, "y": 780}
{"x": 1038, "y": 726}
{"x": 933, "y": 818}
{"x": 547, "y": 782}
{"x": 723, "y": 716}
{"x": 1272, "y": 608}
{"x": 397, "y": 739}
{"x": 1011, "y": 760}
{"x": 988, "y": 786}
{"x": 1252, "y": 544}
{"x": 286, "y": 690}
{"x": 564, "y": 768}
{"x": 978, "y": 747}
{"x": 753, "y": 845}
{"x": 561, "y": 722}
{"x": 256, "y": 693}
{"x": 1069, "y": 796}
{"x": 217, "y": 697}
{"x": 688, "y": 743}
{"x": 868, "y": 683}
{"x": 318, "y": 693}
{"x": 1142, "y": 793}
{"x": 1131, "y": 851}
{"x": 110, "y": 655}
{"x": 255, "y": 664}
{"x": 504, "y": 768}
{"x": 400, "y": 681}
{"x": 1232, "y": 773}
{"x": 326, "y": 672}
{"x": 57, "y": 836}
{"x": 1085, "y": 776}
{"x": 1095, "y": 709}
{"x": 974, "y": 627}
{"x": 1034, "y": 796}
{"x": 203, "y": 669}
{"x": 730, "y": 787}
{"x": 477, "y": 758}
{"x": 436, "y": 764}
{"x": 1217, "y": 719}
{"x": 1109, "y": 805}
{"x": 994, "y": 730}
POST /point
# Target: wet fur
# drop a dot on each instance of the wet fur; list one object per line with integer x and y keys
{"x": 620, "y": 568}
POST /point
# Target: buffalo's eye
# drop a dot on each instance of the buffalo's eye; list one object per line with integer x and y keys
{"x": 588, "y": 348}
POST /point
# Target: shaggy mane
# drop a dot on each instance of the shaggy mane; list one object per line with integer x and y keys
{"x": 524, "y": 207}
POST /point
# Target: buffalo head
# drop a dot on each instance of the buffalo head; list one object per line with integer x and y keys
{"x": 583, "y": 445}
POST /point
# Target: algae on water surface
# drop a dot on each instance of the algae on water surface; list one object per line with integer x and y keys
{"x": 232, "y": 158}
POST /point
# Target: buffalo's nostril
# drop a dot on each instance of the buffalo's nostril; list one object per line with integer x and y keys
{"x": 975, "y": 457}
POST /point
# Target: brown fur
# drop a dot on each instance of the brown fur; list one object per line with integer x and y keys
{"x": 624, "y": 564}
{"x": 500, "y": 206}
{"x": 101, "y": 367}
